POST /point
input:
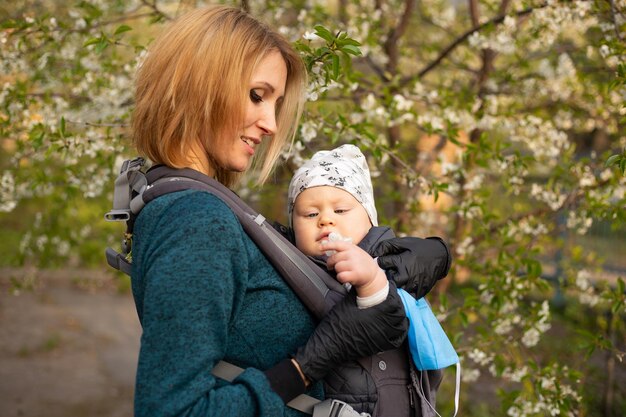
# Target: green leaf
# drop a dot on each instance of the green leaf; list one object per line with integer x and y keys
{"x": 101, "y": 46}
{"x": 464, "y": 319}
{"x": 157, "y": 18}
{"x": 348, "y": 41}
{"x": 533, "y": 267}
{"x": 122, "y": 29}
{"x": 612, "y": 160}
{"x": 351, "y": 50}
{"x": 335, "y": 66}
{"x": 324, "y": 33}
{"x": 616, "y": 307}
{"x": 302, "y": 47}
{"x": 10, "y": 24}
{"x": 93, "y": 12}
{"x": 443, "y": 300}
{"x": 37, "y": 136}
{"x": 91, "y": 41}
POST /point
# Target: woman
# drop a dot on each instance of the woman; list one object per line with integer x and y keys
{"x": 217, "y": 90}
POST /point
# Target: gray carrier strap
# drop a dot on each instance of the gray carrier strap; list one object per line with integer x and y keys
{"x": 305, "y": 403}
{"x": 317, "y": 290}
{"x": 118, "y": 261}
{"x": 134, "y": 189}
{"x": 130, "y": 180}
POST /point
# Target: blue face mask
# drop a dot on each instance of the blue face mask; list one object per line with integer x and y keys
{"x": 430, "y": 347}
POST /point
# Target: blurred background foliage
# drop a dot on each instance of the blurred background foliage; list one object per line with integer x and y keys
{"x": 496, "y": 124}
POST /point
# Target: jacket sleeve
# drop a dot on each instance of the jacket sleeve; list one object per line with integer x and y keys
{"x": 189, "y": 276}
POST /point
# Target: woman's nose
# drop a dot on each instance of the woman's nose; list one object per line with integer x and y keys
{"x": 267, "y": 121}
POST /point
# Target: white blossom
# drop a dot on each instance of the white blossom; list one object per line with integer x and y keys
{"x": 470, "y": 375}
{"x": 401, "y": 103}
{"x": 480, "y": 357}
{"x": 589, "y": 298}
{"x": 474, "y": 182}
{"x": 587, "y": 179}
{"x": 503, "y": 326}
{"x": 553, "y": 199}
{"x": 310, "y": 36}
{"x": 604, "y": 51}
{"x": 516, "y": 374}
{"x": 308, "y": 131}
{"x": 486, "y": 296}
{"x": 465, "y": 247}
{"x": 582, "y": 279}
{"x": 579, "y": 221}
{"x": 7, "y": 192}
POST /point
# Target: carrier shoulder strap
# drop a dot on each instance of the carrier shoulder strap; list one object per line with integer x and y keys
{"x": 317, "y": 290}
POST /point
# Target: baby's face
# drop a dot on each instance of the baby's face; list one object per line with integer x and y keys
{"x": 321, "y": 210}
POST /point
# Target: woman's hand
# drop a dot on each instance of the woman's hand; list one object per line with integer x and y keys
{"x": 414, "y": 264}
{"x": 348, "y": 333}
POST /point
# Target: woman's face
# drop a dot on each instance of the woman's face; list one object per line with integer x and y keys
{"x": 266, "y": 91}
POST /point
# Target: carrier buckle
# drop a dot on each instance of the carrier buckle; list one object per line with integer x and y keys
{"x": 336, "y": 408}
{"x": 134, "y": 164}
{"x": 117, "y": 215}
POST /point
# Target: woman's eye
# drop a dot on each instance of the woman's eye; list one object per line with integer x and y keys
{"x": 255, "y": 97}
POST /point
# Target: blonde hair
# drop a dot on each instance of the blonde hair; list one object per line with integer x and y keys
{"x": 192, "y": 85}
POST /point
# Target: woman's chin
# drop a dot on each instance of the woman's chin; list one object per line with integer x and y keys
{"x": 240, "y": 168}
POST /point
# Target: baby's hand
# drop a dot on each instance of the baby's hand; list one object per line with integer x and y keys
{"x": 335, "y": 237}
{"x": 355, "y": 266}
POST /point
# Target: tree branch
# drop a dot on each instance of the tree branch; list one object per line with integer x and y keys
{"x": 615, "y": 25}
{"x": 474, "y": 13}
{"x": 495, "y": 21}
{"x": 391, "y": 44}
{"x": 572, "y": 199}
{"x": 153, "y": 5}
{"x": 120, "y": 19}
{"x": 378, "y": 70}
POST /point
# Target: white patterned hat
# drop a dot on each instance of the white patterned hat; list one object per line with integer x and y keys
{"x": 344, "y": 167}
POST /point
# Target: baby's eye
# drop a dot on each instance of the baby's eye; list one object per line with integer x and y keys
{"x": 255, "y": 97}
{"x": 310, "y": 215}
{"x": 341, "y": 211}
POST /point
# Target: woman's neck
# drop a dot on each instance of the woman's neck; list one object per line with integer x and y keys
{"x": 199, "y": 161}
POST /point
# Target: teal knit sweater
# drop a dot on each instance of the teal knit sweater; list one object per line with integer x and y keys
{"x": 204, "y": 292}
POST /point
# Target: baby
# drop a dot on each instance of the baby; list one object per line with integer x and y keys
{"x": 333, "y": 217}
{"x": 331, "y": 210}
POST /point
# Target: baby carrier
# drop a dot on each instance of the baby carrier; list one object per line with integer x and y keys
{"x": 400, "y": 389}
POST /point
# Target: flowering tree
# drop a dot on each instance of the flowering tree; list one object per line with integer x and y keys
{"x": 498, "y": 124}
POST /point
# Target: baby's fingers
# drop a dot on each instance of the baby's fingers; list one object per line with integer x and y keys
{"x": 337, "y": 246}
{"x": 335, "y": 258}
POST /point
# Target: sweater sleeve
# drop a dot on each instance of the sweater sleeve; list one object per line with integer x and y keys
{"x": 189, "y": 276}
